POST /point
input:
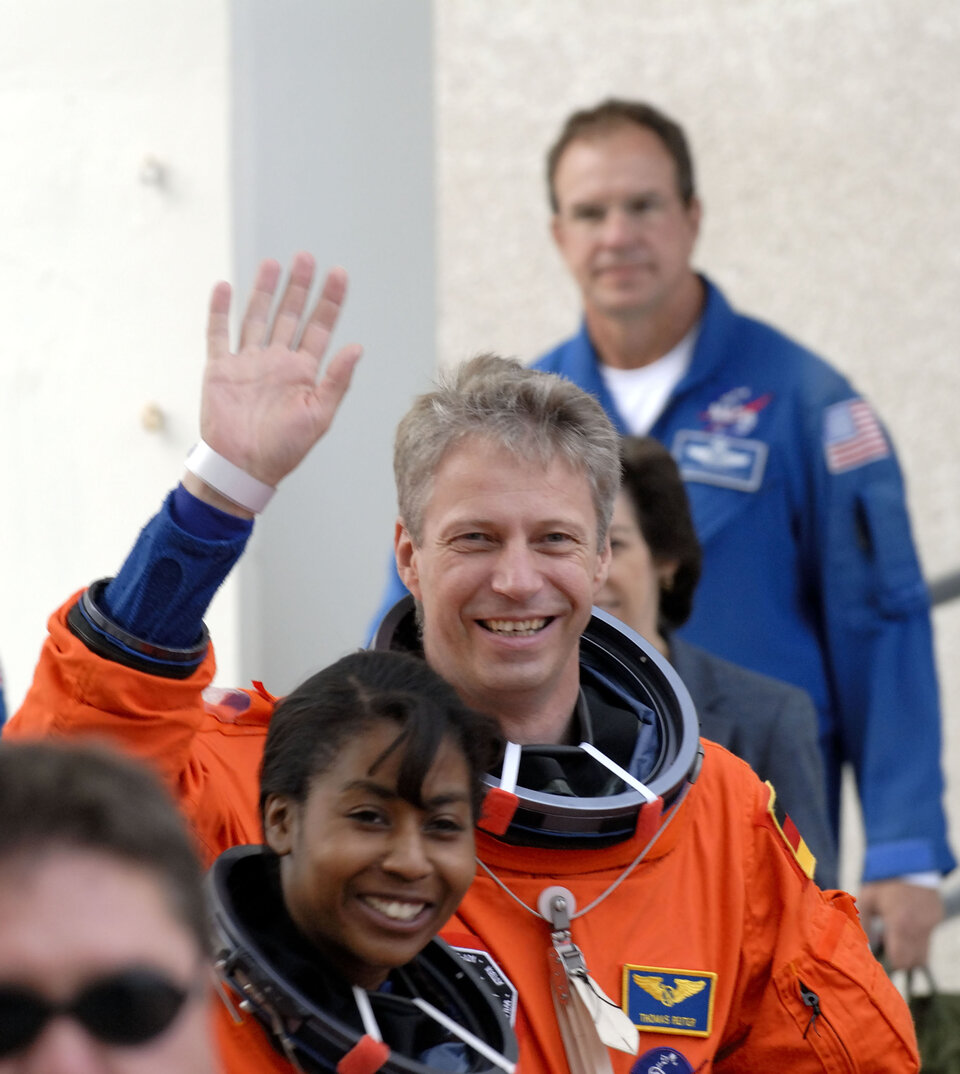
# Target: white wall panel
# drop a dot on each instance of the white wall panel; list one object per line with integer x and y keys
{"x": 104, "y": 278}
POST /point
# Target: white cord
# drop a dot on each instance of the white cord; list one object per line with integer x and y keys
{"x": 612, "y": 765}
{"x": 664, "y": 824}
{"x": 367, "y": 1016}
{"x": 465, "y": 1035}
{"x": 510, "y": 769}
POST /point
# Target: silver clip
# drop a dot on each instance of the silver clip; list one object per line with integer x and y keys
{"x": 571, "y": 957}
{"x": 557, "y": 905}
{"x": 221, "y": 990}
{"x": 588, "y": 1019}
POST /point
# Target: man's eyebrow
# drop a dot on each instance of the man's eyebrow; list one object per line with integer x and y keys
{"x": 477, "y": 522}
{"x": 598, "y": 199}
{"x": 469, "y": 521}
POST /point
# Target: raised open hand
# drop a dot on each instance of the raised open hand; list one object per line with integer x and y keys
{"x": 263, "y": 407}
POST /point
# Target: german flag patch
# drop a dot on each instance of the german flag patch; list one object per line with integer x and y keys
{"x": 789, "y": 834}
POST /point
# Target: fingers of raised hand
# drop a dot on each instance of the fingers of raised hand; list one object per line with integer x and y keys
{"x": 218, "y": 322}
{"x": 333, "y": 385}
{"x": 256, "y": 318}
{"x": 323, "y": 317}
{"x": 336, "y": 377}
{"x": 257, "y": 331}
{"x": 286, "y": 323}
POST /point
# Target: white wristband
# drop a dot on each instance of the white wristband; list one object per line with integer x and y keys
{"x": 230, "y": 481}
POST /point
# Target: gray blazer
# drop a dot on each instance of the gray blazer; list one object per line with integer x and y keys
{"x": 773, "y": 727}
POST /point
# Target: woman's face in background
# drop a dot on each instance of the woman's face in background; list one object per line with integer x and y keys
{"x": 632, "y": 589}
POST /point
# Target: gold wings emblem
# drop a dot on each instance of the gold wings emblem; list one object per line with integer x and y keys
{"x": 668, "y": 995}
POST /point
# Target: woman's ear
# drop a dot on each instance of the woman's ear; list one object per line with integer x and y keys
{"x": 280, "y": 816}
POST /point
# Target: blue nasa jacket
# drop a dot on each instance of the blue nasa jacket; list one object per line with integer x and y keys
{"x": 809, "y": 572}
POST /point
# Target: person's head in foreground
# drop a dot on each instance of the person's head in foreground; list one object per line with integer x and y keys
{"x": 656, "y": 557}
{"x": 369, "y": 790}
{"x": 505, "y": 483}
{"x": 103, "y": 950}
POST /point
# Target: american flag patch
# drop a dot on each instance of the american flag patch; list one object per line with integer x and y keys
{"x": 852, "y": 436}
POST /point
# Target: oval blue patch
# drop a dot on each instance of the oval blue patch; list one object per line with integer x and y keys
{"x": 662, "y": 1060}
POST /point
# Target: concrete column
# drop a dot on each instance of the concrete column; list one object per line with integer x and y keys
{"x": 332, "y": 136}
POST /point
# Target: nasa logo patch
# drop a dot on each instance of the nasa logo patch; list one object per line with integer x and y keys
{"x": 735, "y": 412}
{"x": 662, "y": 1061}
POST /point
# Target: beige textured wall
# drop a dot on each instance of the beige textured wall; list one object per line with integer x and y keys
{"x": 827, "y": 139}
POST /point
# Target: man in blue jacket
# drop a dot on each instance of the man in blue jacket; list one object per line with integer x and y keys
{"x": 809, "y": 571}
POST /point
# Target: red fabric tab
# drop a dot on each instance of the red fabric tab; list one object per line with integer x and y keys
{"x": 366, "y": 1056}
{"x": 648, "y": 820}
{"x": 264, "y": 692}
{"x": 499, "y": 807}
{"x": 791, "y": 833}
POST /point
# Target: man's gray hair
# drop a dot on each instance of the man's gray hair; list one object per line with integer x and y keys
{"x": 533, "y": 415}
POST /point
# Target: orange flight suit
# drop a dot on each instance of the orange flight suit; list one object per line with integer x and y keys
{"x": 711, "y": 942}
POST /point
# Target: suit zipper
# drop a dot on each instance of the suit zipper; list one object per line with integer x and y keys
{"x": 811, "y": 1000}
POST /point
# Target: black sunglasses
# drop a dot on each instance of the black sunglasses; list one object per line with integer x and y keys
{"x": 126, "y": 1008}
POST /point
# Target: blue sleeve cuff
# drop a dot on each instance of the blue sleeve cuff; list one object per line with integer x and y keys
{"x": 889, "y": 861}
{"x": 181, "y": 558}
{"x": 202, "y": 520}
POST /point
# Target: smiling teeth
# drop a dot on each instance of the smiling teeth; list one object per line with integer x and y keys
{"x": 515, "y": 626}
{"x": 396, "y": 911}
